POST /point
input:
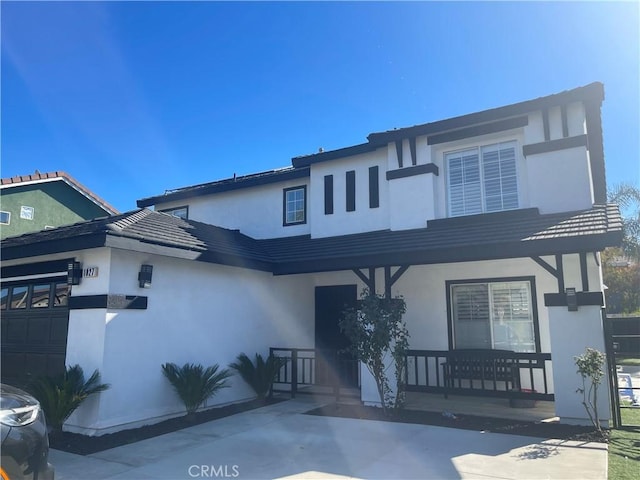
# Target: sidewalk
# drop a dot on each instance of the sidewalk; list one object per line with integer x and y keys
{"x": 278, "y": 441}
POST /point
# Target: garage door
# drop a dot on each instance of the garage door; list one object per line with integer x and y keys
{"x": 35, "y": 320}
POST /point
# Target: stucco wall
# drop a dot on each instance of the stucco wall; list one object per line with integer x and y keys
{"x": 198, "y": 313}
{"x": 256, "y": 211}
{"x": 364, "y": 218}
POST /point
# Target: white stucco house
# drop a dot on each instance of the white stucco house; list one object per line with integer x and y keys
{"x": 481, "y": 221}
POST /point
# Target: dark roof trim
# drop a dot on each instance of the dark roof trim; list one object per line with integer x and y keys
{"x": 71, "y": 244}
{"x": 306, "y": 160}
{"x": 592, "y": 93}
{"x": 511, "y": 234}
{"x": 234, "y": 183}
{"x": 456, "y": 254}
{"x": 477, "y": 130}
{"x": 40, "y": 268}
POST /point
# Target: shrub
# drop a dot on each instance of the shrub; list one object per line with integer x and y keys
{"x": 60, "y": 396}
{"x": 194, "y": 384}
{"x": 260, "y": 373}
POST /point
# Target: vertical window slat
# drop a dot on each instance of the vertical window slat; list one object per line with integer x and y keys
{"x": 351, "y": 191}
{"x": 374, "y": 187}
{"x": 328, "y": 194}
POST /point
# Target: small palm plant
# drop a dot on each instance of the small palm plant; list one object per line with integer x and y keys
{"x": 194, "y": 384}
{"x": 260, "y": 373}
{"x": 60, "y": 396}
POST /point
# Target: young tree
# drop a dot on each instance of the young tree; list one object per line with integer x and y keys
{"x": 591, "y": 368}
{"x": 379, "y": 339}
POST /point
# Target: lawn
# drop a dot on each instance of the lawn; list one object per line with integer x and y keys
{"x": 630, "y": 416}
{"x": 624, "y": 454}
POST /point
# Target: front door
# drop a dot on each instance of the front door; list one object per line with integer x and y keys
{"x": 333, "y": 364}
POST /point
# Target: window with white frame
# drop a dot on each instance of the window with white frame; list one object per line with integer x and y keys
{"x": 494, "y": 315}
{"x": 26, "y": 213}
{"x": 295, "y": 205}
{"x": 482, "y": 179}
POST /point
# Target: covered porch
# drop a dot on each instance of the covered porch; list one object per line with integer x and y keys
{"x": 496, "y": 383}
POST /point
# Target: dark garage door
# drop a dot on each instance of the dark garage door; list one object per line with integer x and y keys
{"x": 35, "y": 320}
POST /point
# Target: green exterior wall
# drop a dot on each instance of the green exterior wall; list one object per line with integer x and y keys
{"x": 54, "y": 203}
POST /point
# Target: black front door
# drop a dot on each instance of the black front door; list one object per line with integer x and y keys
{"x": 333, "y": 364}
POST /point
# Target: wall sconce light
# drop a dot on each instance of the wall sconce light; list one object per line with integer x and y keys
{"x": 144, "y": 277}
{"x": 572, "y": 299}
{"x": 74, "y": 273}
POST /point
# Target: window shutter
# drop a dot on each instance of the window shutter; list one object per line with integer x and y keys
{"x": 351, "y": 191}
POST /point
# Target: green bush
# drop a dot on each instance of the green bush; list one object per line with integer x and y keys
{"x": 260, "y": 373}
{"x": 60, "y": 396}
{"x": 194, "y": 384}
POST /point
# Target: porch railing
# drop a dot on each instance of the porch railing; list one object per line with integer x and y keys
{"x": 304, "y": 368}
{"x": 496, "y": 373}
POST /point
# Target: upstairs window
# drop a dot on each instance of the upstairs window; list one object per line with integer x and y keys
{"x": 5, "y": 218}
{"x": 180, "y": 212}
{"x": 295, "y": 205}
{"x": 493, "y": 315}
{"x": 482, "y": 179}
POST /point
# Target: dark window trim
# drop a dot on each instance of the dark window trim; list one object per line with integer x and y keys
{"x": 412, "y": 171}
{"x": 328, "y": 194}
{"x": 284, "y": 205}
{"x": 554, "y": 145}
{"x": 173, "y": 209}
{"x": 29, "y": 284}
{"x": 374, "y": 187}
{"x": 8, "y": 222}
{"x": 534, "y": 302}
{"x": 351, "y": 191}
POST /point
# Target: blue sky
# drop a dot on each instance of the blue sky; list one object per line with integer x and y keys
{"x": 134, "y": 98}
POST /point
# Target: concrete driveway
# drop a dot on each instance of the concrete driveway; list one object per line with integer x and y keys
{"x": 278, "y": 441}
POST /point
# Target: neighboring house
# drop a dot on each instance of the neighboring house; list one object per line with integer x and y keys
{"x": 29, "y": 203}
{"x": 482, "y": 221}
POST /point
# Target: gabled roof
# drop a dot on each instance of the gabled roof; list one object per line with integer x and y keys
{"x": 594, "y": 92}
{"x": 517, "y": 233}
{"x": 38, "y": 177}
{"x": 592, "y": 95}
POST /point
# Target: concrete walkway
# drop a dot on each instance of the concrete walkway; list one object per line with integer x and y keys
{"x": 278, "y": 441}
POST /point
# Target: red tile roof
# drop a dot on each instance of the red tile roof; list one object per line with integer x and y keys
{"x": 40, "y": 177}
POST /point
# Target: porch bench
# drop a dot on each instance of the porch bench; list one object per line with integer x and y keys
{"x": 486, "y": 366}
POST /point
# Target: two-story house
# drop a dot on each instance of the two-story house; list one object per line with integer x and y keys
{"x": 487, "y": 223}
{"x": 29, "y": 203}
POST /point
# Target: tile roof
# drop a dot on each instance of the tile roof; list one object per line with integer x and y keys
{"x": 38, "y": 177}
{"x": 517, "y": 233}
{"x": 511, "y": 234}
